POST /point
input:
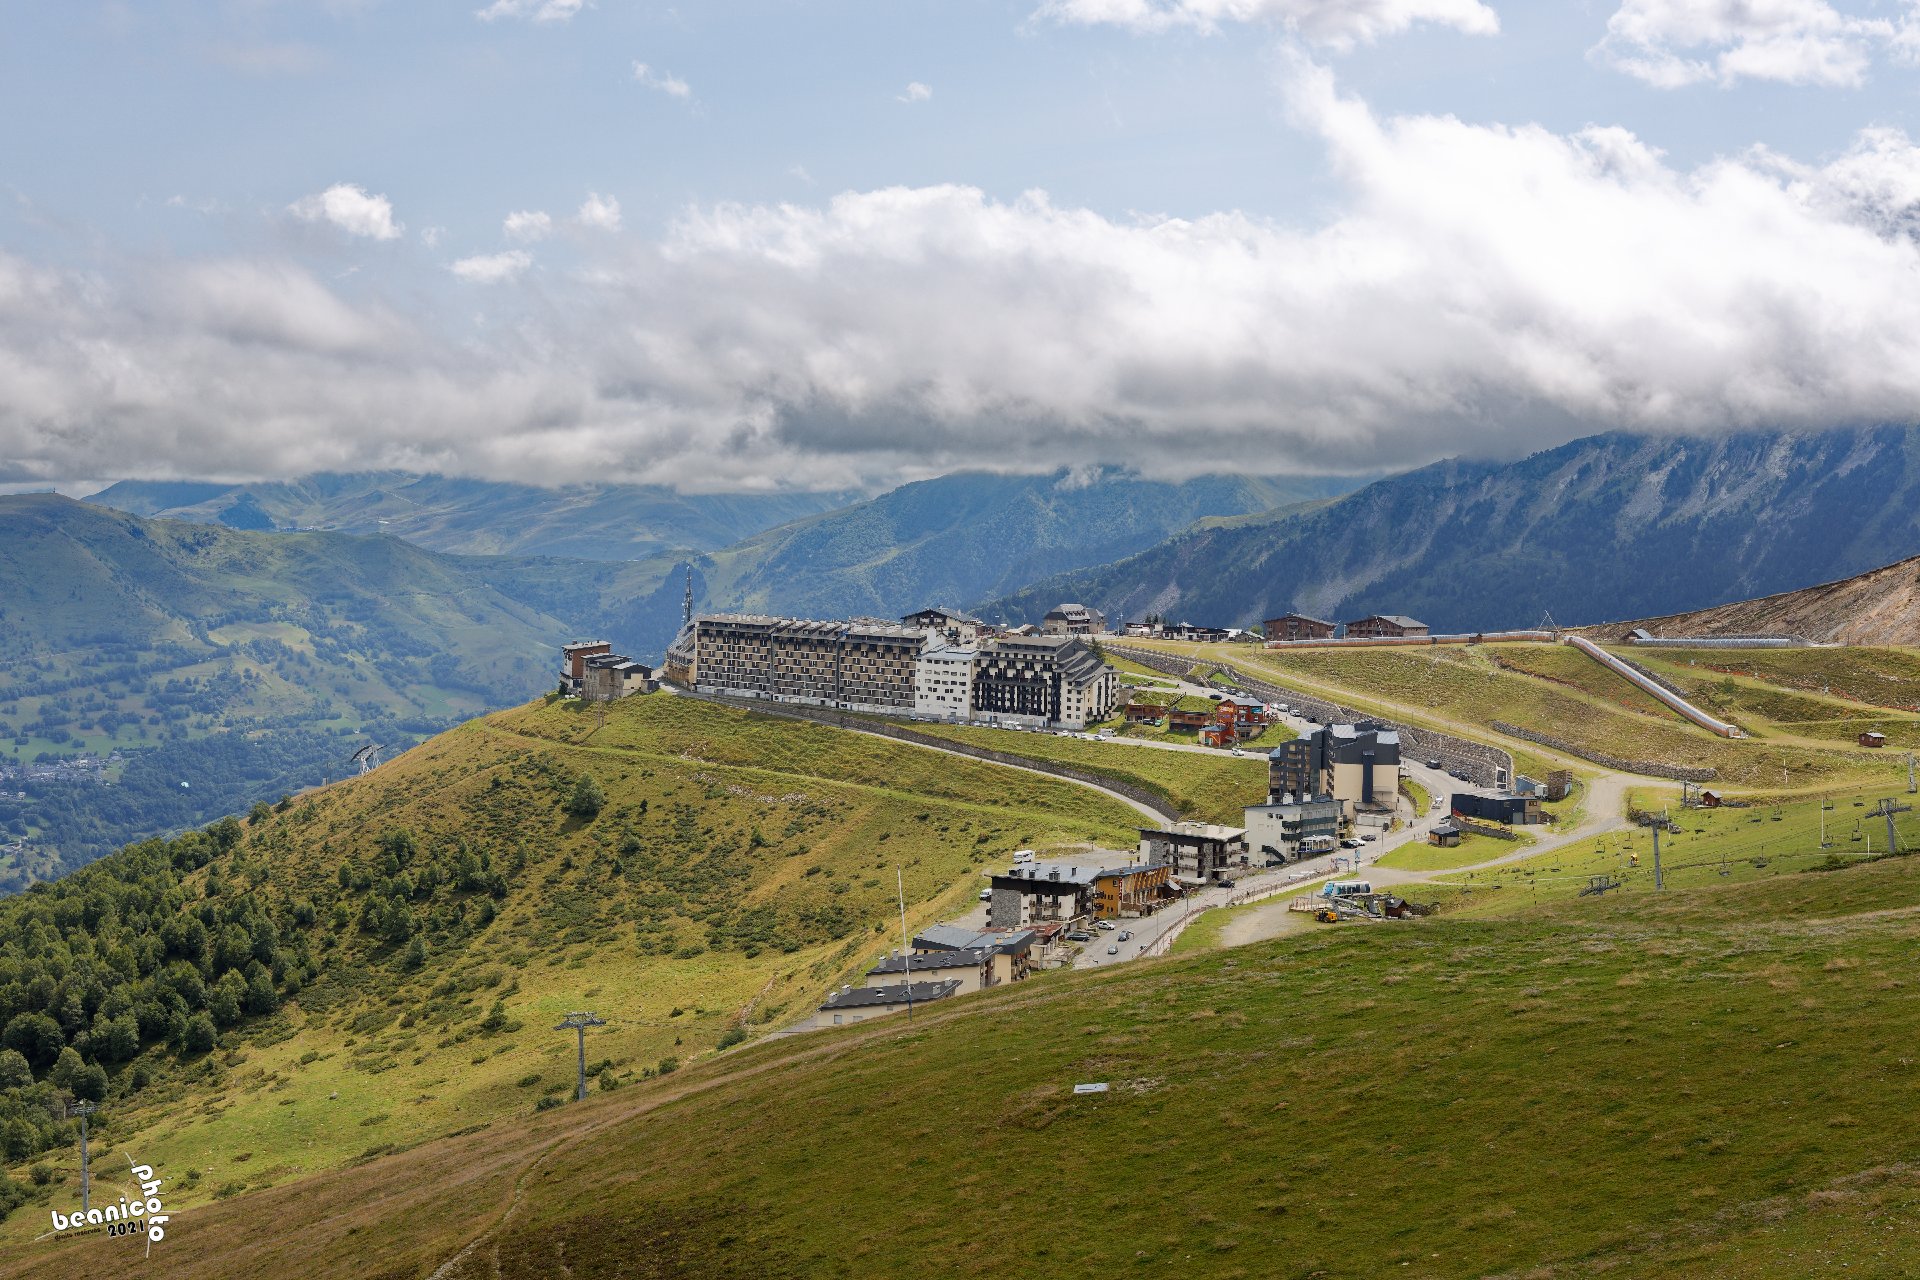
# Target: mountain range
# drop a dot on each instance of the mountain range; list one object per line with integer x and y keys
{"x": 1613, "y": 526}
{"x": 478, "y": 517}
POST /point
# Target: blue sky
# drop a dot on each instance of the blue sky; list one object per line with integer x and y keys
{"x": 859, "y": 241}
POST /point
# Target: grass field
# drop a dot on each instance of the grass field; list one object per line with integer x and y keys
{"x": 1463, "y": 687}
{"x": 1830, "y": 695}
{"x": 1704, "y": 1084}
{"x": 740, "y": 867}
{"x": 1724, "y": 846}
{"x": 1207, "y": 786}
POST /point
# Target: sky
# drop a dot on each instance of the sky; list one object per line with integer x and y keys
{"x": 763, "y": 244}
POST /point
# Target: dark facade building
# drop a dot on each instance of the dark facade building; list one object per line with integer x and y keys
{"x": 1511, "y": 810}
{"x": 1298, "y": 626}
{"x": 1356, "y": 764}
{"x": 1383, "y": 626}
{"x": 1043, "y": 680}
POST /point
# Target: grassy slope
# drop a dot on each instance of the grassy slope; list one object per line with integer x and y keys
{"x": 636, "y": 915}
{"x": 1466, "y": 687}
{"x": 1821, "y": 694}
{"x": 1699, "y": 1085}
{"x": 1715, "y": 846}
{"x": 1208, "y": 787}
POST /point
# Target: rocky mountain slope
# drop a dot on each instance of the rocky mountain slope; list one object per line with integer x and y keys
{"x": 1879, "y": 607}
{"x": 1613, "y": 526}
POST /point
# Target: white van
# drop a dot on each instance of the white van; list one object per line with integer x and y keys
{"x": 1022, "y": 856}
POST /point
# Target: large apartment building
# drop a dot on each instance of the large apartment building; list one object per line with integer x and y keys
{"x": 857, "y": 665}
{"x": 1027, "y": 681}
{"x": 1037, "y": 681}
{"x": 1356, "y": 764}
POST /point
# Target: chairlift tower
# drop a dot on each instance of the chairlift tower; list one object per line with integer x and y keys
{"x": 578, "y": 1024}
{"x": 80, "y": 1110}
{"x": 366, "y": 757}
{"x": 1887, "y": 809}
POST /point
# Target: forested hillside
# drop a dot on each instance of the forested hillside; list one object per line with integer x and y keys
{"x": 379, "y": 963}
{"x": 222, "y": 667}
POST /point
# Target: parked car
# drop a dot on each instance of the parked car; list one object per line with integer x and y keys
{"x": 1077, "y": 936}
{"x": 1126, "y": 935}
{"x": 1237, "y": 751}
{"x": 1216, "y": 695}
{"x": 1113, "y": 951}
{"x": 1106, "y": 926}
{"x": 986, "y": 895}
{"x": 1369, "y": 838}
{"x": 1349, "y": 843}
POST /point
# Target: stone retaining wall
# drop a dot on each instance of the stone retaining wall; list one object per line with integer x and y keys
{"x": 1680, "y": 773}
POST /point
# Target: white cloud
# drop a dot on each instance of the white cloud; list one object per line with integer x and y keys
{"x": 671, "y": 85}
{"x": 528, "y": 225}
{"x": 1480, "y": 287}
{"x": 536, "y": 10}
{"x": 1671, "y": 43}
{"x": 492, "y": 268}
{"x": 432, "y": 236}
{"x": 350, "y": 208}
{"x": 915, "y": 92}
{"x": 1339, "y": 23}
{"x": 602, "y": 213}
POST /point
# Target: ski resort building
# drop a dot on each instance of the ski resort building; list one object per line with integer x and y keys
{"x": 1043, "y": 682}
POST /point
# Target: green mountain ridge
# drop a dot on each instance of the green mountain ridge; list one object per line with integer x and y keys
{"x": 478, "y": 517}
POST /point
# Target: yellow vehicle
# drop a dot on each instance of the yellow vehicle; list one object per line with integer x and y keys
{"x": 1327, "y": 915}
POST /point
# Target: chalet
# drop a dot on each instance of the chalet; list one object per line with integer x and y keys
{"x": 1197, "y": 635}
{"x": 1073, "y": 620}
{"x": 607, "y": 676}
{"x": 857, "y": 1004}
{"x": 972, "y": 969}
{"x": 1037, "y": 892}
{"x": 1872, "y": 739}
{"x": 1141, "y": 630}
{"x": 1011, "y": 950}
{"x": 1444, "y": 836}
{"x": 1138, "y": 889}
{"x": 1385, "y": 626}
{"x": 1297, "y": 626}
{"x": 949, "y": 624}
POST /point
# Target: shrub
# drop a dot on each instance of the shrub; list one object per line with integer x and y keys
{"x": 732, "y": 1038}
{"x": 587, "y": 800}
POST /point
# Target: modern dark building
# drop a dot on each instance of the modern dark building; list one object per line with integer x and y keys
{"x": 1356, "y": 764}
{"x": 1510, "y": 810}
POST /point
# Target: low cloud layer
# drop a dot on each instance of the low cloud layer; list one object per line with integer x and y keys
{"x": 1672, "y": 43}
{"x": 1482, "y": 289}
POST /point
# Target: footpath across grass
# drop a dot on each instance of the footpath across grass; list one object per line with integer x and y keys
{"x": 1205, "y": 786}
